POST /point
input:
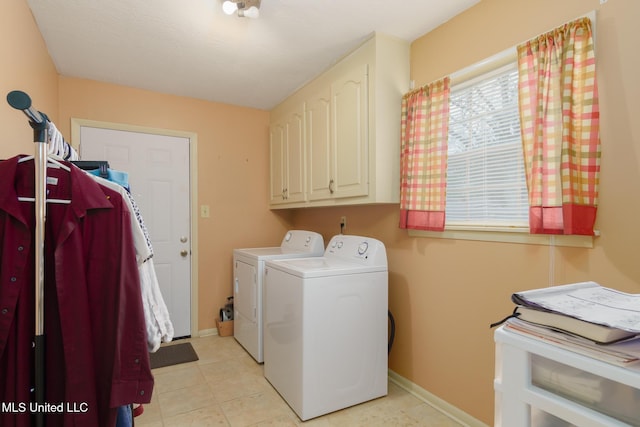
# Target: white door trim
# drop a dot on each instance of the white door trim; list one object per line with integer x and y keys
{"x": 76, "y": 124}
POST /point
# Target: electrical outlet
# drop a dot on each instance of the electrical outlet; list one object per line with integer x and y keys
{"x": 343, "y": 223}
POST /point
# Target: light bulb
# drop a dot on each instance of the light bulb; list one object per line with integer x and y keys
{"x": 229, "y": 7}
{"x": 252, "y": 12}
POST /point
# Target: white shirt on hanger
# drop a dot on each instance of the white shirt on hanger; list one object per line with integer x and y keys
{"x": 158, "y": 321}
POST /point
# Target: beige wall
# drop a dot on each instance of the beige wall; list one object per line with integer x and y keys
{"x": 232, "y": 146}
{"x": 232, "y": 152}
{"x": 24, "y": 65}
{"x": 445, "y": 293}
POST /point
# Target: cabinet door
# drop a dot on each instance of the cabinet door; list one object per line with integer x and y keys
{"x": 295, "y": 157}
{"x": 276, "y": 159}
{"x": 349, "y": 105}
{"x": 318, "y": 132}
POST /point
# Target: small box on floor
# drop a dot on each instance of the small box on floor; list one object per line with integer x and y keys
{"x": 225, "y": 329}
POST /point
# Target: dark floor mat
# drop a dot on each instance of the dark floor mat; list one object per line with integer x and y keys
{"x": 173, "y": 355}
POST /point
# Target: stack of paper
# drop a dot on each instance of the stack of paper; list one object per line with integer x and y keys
{"x": 595, "y": 332}
{"x": 585, "y": 317}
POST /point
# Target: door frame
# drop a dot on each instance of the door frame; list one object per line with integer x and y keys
{"x": 76, "y": 124}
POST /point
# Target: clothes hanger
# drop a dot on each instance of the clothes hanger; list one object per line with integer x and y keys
{"x": 57, "y": 161}
{"x": 58, "y": 145}
{"x": 57, "y": 201}
{"x": 52, "y": 161}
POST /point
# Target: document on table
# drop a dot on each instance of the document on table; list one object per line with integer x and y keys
{"x": 587, "y": 301}
{"x": 622, "y": 353}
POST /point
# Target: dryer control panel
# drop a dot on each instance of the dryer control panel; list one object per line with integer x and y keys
{"x": 304, "y": 241}
{"x": 366, "y": 250}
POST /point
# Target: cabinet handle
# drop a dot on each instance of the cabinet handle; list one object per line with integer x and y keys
{"x": 284, "y": 194}
{"x": 331, "y": 186}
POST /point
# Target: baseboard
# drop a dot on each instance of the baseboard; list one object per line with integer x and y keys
{"x": 208, "y": 332}
{"x": 434, "y": 401}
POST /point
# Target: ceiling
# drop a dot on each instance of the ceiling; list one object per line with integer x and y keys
{"x": 191, "y": 48}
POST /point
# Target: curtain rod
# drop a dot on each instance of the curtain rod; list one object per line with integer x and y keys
{"x": 499, "y": 59}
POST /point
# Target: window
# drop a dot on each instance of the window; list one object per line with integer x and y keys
{"x": 487, "y": 198}
{"x": 486, "y": 186}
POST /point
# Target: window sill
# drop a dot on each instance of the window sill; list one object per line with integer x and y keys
{"x": 507, "y": 235}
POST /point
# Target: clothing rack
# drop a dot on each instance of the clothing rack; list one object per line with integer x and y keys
{"x": 38, "y": 121}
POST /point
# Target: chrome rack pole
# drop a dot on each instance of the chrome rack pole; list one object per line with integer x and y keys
{"x": 38, "y": 121}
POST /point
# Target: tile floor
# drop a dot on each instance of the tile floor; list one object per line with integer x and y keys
{"x": 226, "y": 387}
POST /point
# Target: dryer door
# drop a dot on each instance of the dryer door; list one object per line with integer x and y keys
{"x": 245, "y": 305}
{"x": 245, "y": 292}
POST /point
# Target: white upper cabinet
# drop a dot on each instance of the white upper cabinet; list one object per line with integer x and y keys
{"x": 350, "y": 135}
{"x": 349, "y": 138}
{"x": 336, "y": 131}
{"x": 277, "y": 161}
{"x": 318, "y": 134}
{"x": 287, "y": 158}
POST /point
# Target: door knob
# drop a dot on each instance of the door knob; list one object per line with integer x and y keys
{"x": 184, "y": 253}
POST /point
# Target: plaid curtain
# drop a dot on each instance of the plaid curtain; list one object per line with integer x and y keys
{"x": 423, "y": 156}
{"x": 560, "y": 125}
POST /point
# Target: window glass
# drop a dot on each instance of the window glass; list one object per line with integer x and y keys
{"x": 485, "y": 172}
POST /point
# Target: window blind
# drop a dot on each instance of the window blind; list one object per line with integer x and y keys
{"x": 486, "y": 184}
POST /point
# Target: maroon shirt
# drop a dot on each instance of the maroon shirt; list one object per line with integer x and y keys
{"x": 95, "y": 350}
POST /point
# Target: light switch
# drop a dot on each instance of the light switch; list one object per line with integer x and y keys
{"x": 204, "y": 211}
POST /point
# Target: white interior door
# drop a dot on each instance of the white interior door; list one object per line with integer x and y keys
{"x": 159, "y": 176}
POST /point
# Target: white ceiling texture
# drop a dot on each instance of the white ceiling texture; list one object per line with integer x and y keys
{"x": 191, "y": 48}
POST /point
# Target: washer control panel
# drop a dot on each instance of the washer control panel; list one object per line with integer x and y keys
{"x": 363, "y": 249}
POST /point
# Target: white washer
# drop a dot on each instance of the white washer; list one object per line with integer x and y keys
{"x": 248, "y": 267}
{"x": 325, "y": 336}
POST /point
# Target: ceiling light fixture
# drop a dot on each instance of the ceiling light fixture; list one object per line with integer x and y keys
{"x": 248, "y": 8}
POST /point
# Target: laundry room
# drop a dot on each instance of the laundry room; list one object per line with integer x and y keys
{"x": 445, "y": 288}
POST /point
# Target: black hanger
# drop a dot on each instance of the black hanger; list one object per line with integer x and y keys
{"x": 87, "y": 165}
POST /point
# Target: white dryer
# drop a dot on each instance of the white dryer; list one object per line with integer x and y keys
{"x": 325, "y": 331}
{"x": 248, "y": 267}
